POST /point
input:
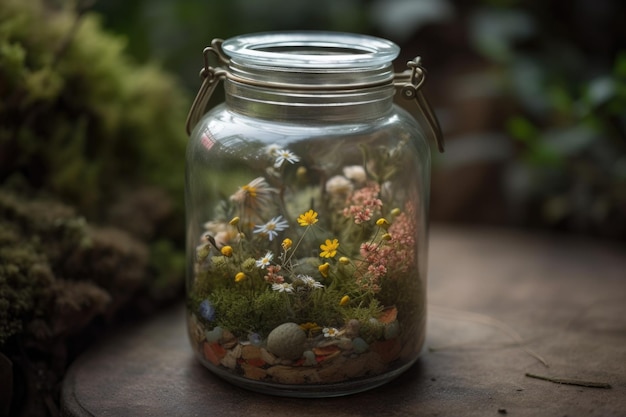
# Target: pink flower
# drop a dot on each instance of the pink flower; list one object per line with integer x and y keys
{"x": 364, "y": 204}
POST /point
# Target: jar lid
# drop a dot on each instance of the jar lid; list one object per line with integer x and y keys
{"x": 312, "y": 50}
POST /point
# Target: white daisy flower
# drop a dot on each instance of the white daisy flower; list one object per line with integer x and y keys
{"x": 283, "y": 287}
{"x": 283, "y": 155}
{"x": 309, "y": 282}
{"x": 330, "y": 332}
{"x": 264, "y": 261}
{"x": 271, "y": 228}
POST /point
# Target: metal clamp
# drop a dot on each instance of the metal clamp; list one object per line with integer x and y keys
{"x": 409, "y": 83}
{"x": 210, "y": 76}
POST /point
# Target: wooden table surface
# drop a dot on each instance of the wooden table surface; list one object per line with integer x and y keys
{"x": 502, "y": 305}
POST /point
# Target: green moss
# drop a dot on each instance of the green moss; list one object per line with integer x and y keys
{"x": 82, "y": 117}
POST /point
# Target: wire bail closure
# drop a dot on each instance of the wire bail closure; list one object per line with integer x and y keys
{"x": 408, "y": 83}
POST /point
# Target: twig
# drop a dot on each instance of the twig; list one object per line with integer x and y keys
{"x": 580, "y": 383}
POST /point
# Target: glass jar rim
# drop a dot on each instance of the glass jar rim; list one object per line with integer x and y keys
{"x": 311, "y": 49}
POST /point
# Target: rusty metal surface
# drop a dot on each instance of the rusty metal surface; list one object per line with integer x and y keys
{"x": 500, "y": 303}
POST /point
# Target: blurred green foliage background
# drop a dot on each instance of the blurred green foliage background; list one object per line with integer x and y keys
{"x": 531, "y": 95}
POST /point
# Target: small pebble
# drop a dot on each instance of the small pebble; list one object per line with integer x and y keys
{"x": 255, "y": 339}
{"x": 392, "y": 330}
{"x": 352, "y": 328}
{"x": 359, "y": 345}
{"x": 309, "y": 358}
{"x": 206, "y": 310}
{"x": 214, "y": 335}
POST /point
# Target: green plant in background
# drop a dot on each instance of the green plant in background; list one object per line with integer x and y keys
{"x": 91, "y": 191}
{"x": 570, "y": 124}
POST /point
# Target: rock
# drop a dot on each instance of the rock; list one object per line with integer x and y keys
{"x": 287, "y": 341}
{"x": 388, "y": 350}
{"x": 214, "y": 335}
{"x": 352, "y": 328}
{"x": 392, "y": 330}
{"x": 290, "y": 375}
{"x": 359, "y": 345}
{"x": 230, "y": 360}
{"x": 213, "y": 352}
{"x": 250, "y": 352}
{"x": 268, "y": 357}
{"x": 196, "y": 332}
{"x": 228, "y": 340}
{"x": 309, "y": 358}
{"x": 253, "y": 372}
{"x": 255, "y": 339}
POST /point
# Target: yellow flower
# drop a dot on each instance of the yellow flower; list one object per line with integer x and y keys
{"x": 382, "y": 223}
{"x": 310, "y": 327}
{"x": 307, "y": 219}
{"x": 287, "y": 243}
{"x": 301, "y": 172}
{"x": 386, "y": 236}
{"x": 324, "y": 269}
{"x": 344, "y": 300}
{"x": 234, "y": 221}
{"x": 395, "y": 212}
{"x": 344, "y": 260}
{"x": 329, "y": 248}
{"x": 227, "y": 251}
{"x": 240, "y": 277}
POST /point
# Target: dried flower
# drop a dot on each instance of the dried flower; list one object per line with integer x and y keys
{"x": 356, "y": 173}
{"x": 272, "y": 150}
{"x": 339, "y": 186}
{"x": 227, "y": 251}
{"x": 310, "y": 327}
{"x": 329, "y": 248}
{"x": 324, "y": 269}
{"x": 255, "y": 194}
{"x": 364, "y": 203}
{"x": 283, "y": 287}
{"x": 308, "y": 282}
{"x": 271, "y": 228}
{"x": 272, "y": 275}
{"x": 307, "y": 219}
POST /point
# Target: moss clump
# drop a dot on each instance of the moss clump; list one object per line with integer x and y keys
{"x": 78, "y": 117}
{"x": 81, "y": 124}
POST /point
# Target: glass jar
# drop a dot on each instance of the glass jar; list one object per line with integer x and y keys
{"x": 307, "y": 196}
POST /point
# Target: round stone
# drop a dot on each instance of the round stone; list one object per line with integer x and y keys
{"x": 392, "y": 330}
{"x": 359, "y": 345}
{"x": 287, "y": 341}
{"x": 214, "y": 335}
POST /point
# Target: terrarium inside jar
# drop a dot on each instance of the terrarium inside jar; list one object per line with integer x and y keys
{"x": 307, "y": 195}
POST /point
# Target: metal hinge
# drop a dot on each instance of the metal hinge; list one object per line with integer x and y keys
{"x": 409, "y": 84}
